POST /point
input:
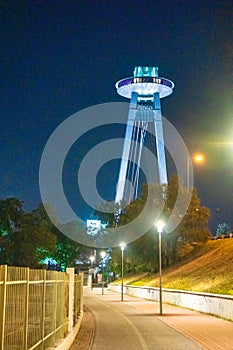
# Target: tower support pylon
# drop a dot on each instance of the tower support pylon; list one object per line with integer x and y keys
{"x": 144, "y": 89}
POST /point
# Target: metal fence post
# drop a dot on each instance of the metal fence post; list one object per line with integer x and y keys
{"x": 26, "y": 309}
{"x": 81, "y": 292}
{"x": 43, "y": 309}
{"x": 70, "y": 271}
{"x": 3, "y": 308}
{"x": 55, "y": 307}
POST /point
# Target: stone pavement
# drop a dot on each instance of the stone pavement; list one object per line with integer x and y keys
{"x": 86, "y": 332}
{"x": 207, "y": 332}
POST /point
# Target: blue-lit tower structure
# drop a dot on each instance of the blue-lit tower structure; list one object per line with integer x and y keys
{"x": 144, "y": 89}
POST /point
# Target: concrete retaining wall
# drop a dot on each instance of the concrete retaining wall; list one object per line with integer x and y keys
{"x": 215, "y": 304}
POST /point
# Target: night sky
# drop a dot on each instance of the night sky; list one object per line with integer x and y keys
{"x": 58, "y": 57}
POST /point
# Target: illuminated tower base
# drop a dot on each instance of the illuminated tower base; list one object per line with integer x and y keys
{"x": 144, "y": 90}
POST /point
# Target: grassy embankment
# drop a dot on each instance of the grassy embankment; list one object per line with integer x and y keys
{"x": 210, "y": 271}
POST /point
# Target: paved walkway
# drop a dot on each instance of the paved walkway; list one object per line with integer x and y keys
{"x": 86, "y": 332}
{"x": 135, "y": 324}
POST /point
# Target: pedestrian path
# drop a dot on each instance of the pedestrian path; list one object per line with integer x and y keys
{"x": 86, "y": 332}
{"x": 135, "y": 324}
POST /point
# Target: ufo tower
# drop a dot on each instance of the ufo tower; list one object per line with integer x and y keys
{"x": 144, "y": 89}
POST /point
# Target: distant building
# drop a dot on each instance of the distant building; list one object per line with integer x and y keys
{"x": 94, "y": 226}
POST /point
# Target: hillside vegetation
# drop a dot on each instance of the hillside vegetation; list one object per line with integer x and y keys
{"x": 210, "y": 271}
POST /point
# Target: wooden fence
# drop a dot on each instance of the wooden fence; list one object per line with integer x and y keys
{"x": 37, "y": 307}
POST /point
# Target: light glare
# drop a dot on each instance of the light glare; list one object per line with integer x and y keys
{"x": 103, "y": 254}
{"x": 122, "y": 245}
{"x": 160, "y": 225}
{"x": 199, "y": 158}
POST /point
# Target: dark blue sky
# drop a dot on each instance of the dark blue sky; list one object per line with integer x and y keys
{"x": 58, "y": 57}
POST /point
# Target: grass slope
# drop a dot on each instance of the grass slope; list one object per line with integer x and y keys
{"x": 211, "y": 271}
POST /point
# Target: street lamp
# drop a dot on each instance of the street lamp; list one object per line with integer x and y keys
{"x": 197, "y": 158}
{"x": 103, "y": 254}
{"x": 92, "y": 259}
{"x": 160, "y": 225}
{"x": 122, "y": 246}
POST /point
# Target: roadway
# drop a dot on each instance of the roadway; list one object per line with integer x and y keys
{"x": 135, "y": 324}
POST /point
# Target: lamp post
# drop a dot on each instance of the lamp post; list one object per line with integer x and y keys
{"x": 92, "y": 259}
{"x": 197, "y": 158}
{"x": 122, "y": 245}
{"x": 160, "y": 225}
{"x": 102, "y": 254}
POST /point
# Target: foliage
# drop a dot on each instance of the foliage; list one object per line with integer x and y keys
{"x": 208, "y": 270}
{"x": 193, "y": 228}
{"x": 108, "y": 212}
{"x": 223, "y": 229}
{"x": 114, "y": 264}
{"x": 27, "y": 240}
{"x": 142, "y": 254}
{"x": 68, "y": 251}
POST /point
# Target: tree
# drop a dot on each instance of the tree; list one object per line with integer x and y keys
{"x": 11, "y": 216}
{"x": 33, "y": 243}
{"x": 11, "y": 213}
{"x": 68, "y": 251}
{"x": 26, "y": 239}
{"x": 65, "y": 251}
{"x": 192, "y": 230}
{"x": 223, "y": 229}
{"x": 177, "y": 245}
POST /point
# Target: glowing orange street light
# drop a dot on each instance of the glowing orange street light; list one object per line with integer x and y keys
{"x": 197, "y": 158}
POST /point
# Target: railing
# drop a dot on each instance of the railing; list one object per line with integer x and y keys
{"x": 35, "y": 307}
{"x": 230, "y": 235}
{"x": 214, "y": 304}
